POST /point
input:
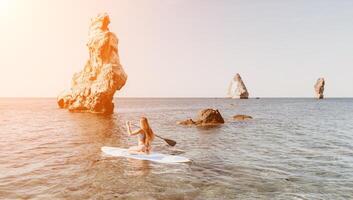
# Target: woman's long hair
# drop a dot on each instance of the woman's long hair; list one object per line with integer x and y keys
{"x": 149, "y": 135}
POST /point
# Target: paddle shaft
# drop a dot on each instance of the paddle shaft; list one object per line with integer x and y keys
{"x": 159, "y": 136}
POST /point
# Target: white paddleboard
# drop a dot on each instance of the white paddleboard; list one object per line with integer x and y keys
{"x": 155, "y": 157}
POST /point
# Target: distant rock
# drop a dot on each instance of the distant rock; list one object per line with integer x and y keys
{"x": 241, "y": 117}
{"x": 237, "y": 88}
{"x": 319, "y": 88}
{"x": 93, "y": 88}
{"x": 205, "y": 117}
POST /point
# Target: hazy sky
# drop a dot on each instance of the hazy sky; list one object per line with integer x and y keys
{"x": 182, "y": 48}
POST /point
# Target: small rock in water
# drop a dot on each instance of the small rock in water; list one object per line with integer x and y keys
{"x": 187, "y": 122}
{"x": 206, "y": 117}
{"x": 241, "y": 117}
{"x": 209, "y": 116}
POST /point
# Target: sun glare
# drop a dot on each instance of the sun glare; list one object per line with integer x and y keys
{"x": 4, "y": 6}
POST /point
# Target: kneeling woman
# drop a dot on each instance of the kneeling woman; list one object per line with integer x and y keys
{"x": 145, "y": 136}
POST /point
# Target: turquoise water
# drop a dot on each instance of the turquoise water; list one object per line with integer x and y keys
{"x": 292, "y": 149}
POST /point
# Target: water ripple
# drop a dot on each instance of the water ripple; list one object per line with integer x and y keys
{"x": 292, "y": 149}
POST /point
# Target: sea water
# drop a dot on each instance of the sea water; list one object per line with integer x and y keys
{"x": 293, "y": 148}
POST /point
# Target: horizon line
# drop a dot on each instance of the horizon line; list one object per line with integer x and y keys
{"x": 164, "y": 97}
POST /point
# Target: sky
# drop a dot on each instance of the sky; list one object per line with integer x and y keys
{"x": 182, "y": 48}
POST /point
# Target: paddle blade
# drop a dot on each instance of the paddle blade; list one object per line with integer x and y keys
{"x": 170, "y": 142}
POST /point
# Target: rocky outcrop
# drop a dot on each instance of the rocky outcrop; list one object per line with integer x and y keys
{"x": 237, "y": 88}
{"x": 205, "y": 117}
{"x": 93, "y": 88}
{"x": 319, "y": 88}
{"x": 209, "y": 116}
{"x": 241, "y": 117}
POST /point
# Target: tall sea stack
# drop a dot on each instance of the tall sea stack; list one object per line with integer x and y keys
{"x": 237, "y": 89}
{"x": 319, "y": 88}
{"x": 92, "y": 89}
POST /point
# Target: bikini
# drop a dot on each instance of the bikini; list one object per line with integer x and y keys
{"x": 141, "y": 137}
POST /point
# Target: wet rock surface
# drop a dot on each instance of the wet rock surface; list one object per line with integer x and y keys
{"x": 205, "y": 117}
{"x": 242, "y": 117}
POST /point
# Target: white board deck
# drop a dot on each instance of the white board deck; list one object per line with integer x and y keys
{"x": 155, "y": 157}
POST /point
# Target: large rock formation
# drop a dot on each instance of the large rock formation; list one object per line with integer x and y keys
{"x": 319, "y": 88}
{"x": 93, "y": 88}
{"x": 205, "y": 117}
{"x": 237, "y": 88}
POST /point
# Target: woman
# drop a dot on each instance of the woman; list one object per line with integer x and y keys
{"x": 145, "y": 137}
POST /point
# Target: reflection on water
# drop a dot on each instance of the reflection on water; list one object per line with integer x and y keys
{"x": 292, "y": 149}
{"x": 137, "y": 168}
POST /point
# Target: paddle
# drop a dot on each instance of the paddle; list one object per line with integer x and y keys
{"x": 168, "y": 141}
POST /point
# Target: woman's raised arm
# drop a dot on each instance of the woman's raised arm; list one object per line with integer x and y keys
{"x": 128, "y": 127}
